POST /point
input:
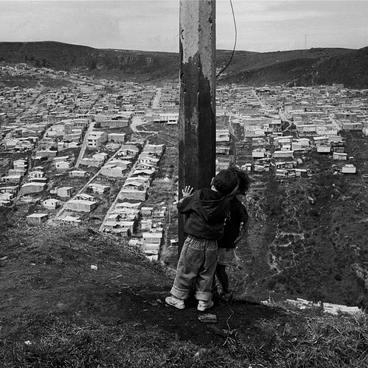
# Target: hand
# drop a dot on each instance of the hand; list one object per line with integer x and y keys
{"x": 238, "y": 239}
{"x": 187, "y": 191}
{"x": 242, "y": 231}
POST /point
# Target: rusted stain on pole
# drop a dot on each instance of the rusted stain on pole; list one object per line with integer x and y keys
{"x": 197, "y": 111}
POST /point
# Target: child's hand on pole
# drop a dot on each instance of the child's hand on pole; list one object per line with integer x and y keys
{"x": 187, "y": 191}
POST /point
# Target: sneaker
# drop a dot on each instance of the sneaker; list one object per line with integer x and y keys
{"x": 175, "y": 302}
{"x": 226, "y": 297}
{"x": 203, "y": 305}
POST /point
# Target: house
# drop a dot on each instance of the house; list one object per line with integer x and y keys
{"x": 70, "y": 220}
{"x": 323, "y": 140}
{"x": 6, "y": 196}
{"x": 128, "y": 206}
{"x": 131, "y": 193}
{"x": 159, "y": 212}
{"x": 84, "y": 197}
{"x": 301, "y": 173}
{"x": 12, "y": 172}
{"x": 51, "y": 203}
{"x": 36, "y": 174}
{"x": 323, "y": 148}
{"x": 99, "y": 188}
{"x": 348, "y": 169}
{"x": 221, "y": 165}
{"x": 169, "y": 118}
{"x": 96, "y": 139}
{"x": 285, "y": 165}
{"x": 115, "y": 123}
{"x": 137, "y": 182}
{"x": 96, "y": 160}
{"x": 124, "y": 214}
{"x": 306, "y": 129}
{"x": 100, "y": 157}
{"x": 60, "y": 158}
{"x": 145, "y": 173}
{"x": 80, "y": 205}
{"x": 152, "y": 242}
{"x": 281, "y": 173}
{"x": 146, "y": 159}
{"x": 259, "y": 153}
{"x": 63, "y": 165}
{"x": 78, "y": 173}
{"x": 146, "y": 224}
{"x": 116, "y": 137}
{"x": 124, "y": 164}
{"x": 339, "y": 156}
{"x": 284, "y": 140}
{"x": 30, "y": 188}
{"x": 300, "y": 144}
{"x": 38, "y": 180}
{"x": 11, "y": 189}
{"x": 222, "y": 135}
{"x": 113, "y": 171}
{"x": 222, "y": 150}
{"x": 352, "y": 126}
{"x": 11, "y": 179}
{"x": 154, "y": 149}
{"x": 130, "y": 150}
{"x": 20, "y": 164}
{"x": 37, "y": 218}
{"x": 64, "y": 192}
{"x": 121, "y": 227}
{"x": 146, "y": 211}
{"x": 45, "y": 154}
{"x": 283, "y": 154}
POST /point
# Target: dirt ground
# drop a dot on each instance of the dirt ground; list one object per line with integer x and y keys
{"x": 52, "y": 271}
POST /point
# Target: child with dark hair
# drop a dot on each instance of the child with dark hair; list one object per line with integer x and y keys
{"x": 206, "y": 211}
{"x": 234, "y": 230}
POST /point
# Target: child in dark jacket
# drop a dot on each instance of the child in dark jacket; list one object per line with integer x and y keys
{"x": 206, "y": 210}
{"x": 234, "y": 230}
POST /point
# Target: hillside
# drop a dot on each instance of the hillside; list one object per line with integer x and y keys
{"x": 297, "y": 67}
{"x": 57, "y": 311}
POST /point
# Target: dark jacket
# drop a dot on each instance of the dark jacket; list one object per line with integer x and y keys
{"x": 206, "y": 212}
{"x": 238, "y": 214}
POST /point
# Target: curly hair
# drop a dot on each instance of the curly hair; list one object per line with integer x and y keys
{"x": 225, "y": 181}
{"x": 243, "y": 179}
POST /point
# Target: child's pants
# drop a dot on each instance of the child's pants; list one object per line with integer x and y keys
{"x": 197, "y": 261}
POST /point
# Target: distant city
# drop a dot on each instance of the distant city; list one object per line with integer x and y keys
{"x": 91, "y": 151}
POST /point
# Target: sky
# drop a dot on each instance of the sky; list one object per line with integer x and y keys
{"x": 150, "y": 25}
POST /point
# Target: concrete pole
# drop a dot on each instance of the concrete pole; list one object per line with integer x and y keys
{"x": 197, "y": 110}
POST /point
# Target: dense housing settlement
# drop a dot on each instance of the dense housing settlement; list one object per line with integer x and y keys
{"x": 104, "y": 153}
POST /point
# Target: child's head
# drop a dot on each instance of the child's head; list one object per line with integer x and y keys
{"x": 243, "y": 180}
{"x": 225, "y": 181}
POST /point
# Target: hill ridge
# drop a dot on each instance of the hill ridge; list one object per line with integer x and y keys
{"x": 309, "y": 67}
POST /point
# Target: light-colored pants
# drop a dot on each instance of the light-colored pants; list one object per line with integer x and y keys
{"x": 197, "y": 262}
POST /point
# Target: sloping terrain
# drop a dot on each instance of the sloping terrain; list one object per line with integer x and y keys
{"x": 307, "y": 236}
{"x": 58, "y": 311}
{"x": 296, "y": 67}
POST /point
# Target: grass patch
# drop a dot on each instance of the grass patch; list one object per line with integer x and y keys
{"x": 302, "y": 340}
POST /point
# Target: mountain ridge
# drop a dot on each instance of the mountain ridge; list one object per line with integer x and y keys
{"x": 310, "y": 67}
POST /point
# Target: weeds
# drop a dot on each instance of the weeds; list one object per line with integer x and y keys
{"x": 302, "y": 340}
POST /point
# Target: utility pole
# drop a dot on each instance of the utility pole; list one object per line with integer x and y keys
{"x": 197, "y": 110}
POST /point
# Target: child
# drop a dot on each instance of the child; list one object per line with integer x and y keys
{"x": 234, "y": 230}
{"x": 206, "y": 210}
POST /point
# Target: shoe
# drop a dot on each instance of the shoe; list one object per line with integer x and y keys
{"x": 175, "y": 302}
{"x": 202, "y": 305}
{"x": 226, "y": 297}
{"x": 215, "y": 295}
